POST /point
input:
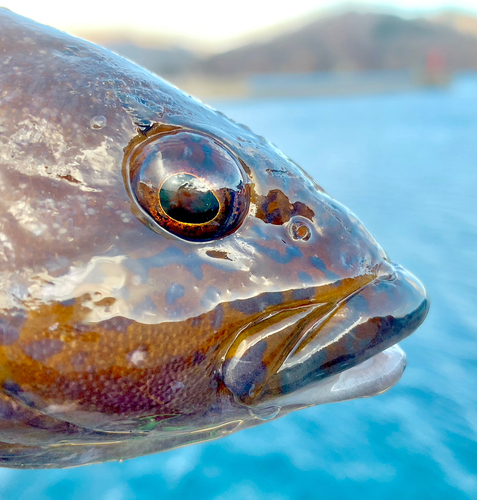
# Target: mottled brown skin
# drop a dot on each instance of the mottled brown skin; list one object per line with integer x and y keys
{"x": 111, "y": 327}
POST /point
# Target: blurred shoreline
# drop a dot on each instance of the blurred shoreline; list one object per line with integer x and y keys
{"x": 312, "y": 84}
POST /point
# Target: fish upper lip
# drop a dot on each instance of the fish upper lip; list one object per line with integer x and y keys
{"x": 396, "y": 304}
{"x": 384, "y": 272}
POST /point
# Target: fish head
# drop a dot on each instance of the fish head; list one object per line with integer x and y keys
{"x": 167, "y": 276}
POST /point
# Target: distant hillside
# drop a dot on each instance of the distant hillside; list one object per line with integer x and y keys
{"x": 349, "y": 42}
{"x": 163, "y": 61}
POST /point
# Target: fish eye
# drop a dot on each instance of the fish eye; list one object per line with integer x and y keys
{"x": 190, "y": 184}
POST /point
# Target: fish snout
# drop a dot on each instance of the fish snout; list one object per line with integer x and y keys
{"x": 381, "y": 314}
{"x": 288, "y": 351}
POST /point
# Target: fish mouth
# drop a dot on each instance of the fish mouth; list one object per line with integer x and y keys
{"x": 368, "y": 378}
{"x": 353, "y": 340}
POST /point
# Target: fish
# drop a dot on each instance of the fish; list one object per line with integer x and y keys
{"x": 167, "y": 277}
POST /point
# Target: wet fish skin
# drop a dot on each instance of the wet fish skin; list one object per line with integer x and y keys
{"x": 119, "y": 338}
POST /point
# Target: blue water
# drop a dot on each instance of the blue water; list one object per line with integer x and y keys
{"x": 407, "y": 165}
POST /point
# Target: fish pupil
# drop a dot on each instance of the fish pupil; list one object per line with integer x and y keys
{"x": 187, "y": 199}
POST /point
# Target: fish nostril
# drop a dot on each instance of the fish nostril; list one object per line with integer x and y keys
{"x": 299, "y": 231}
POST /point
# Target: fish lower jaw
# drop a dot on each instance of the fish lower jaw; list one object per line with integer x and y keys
{"x": 369, "y": 378}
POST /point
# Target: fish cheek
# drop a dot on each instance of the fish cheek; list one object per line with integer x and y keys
{"x": 115, "y": 368}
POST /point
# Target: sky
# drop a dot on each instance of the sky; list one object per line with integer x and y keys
{"x": 210, "y": 21}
